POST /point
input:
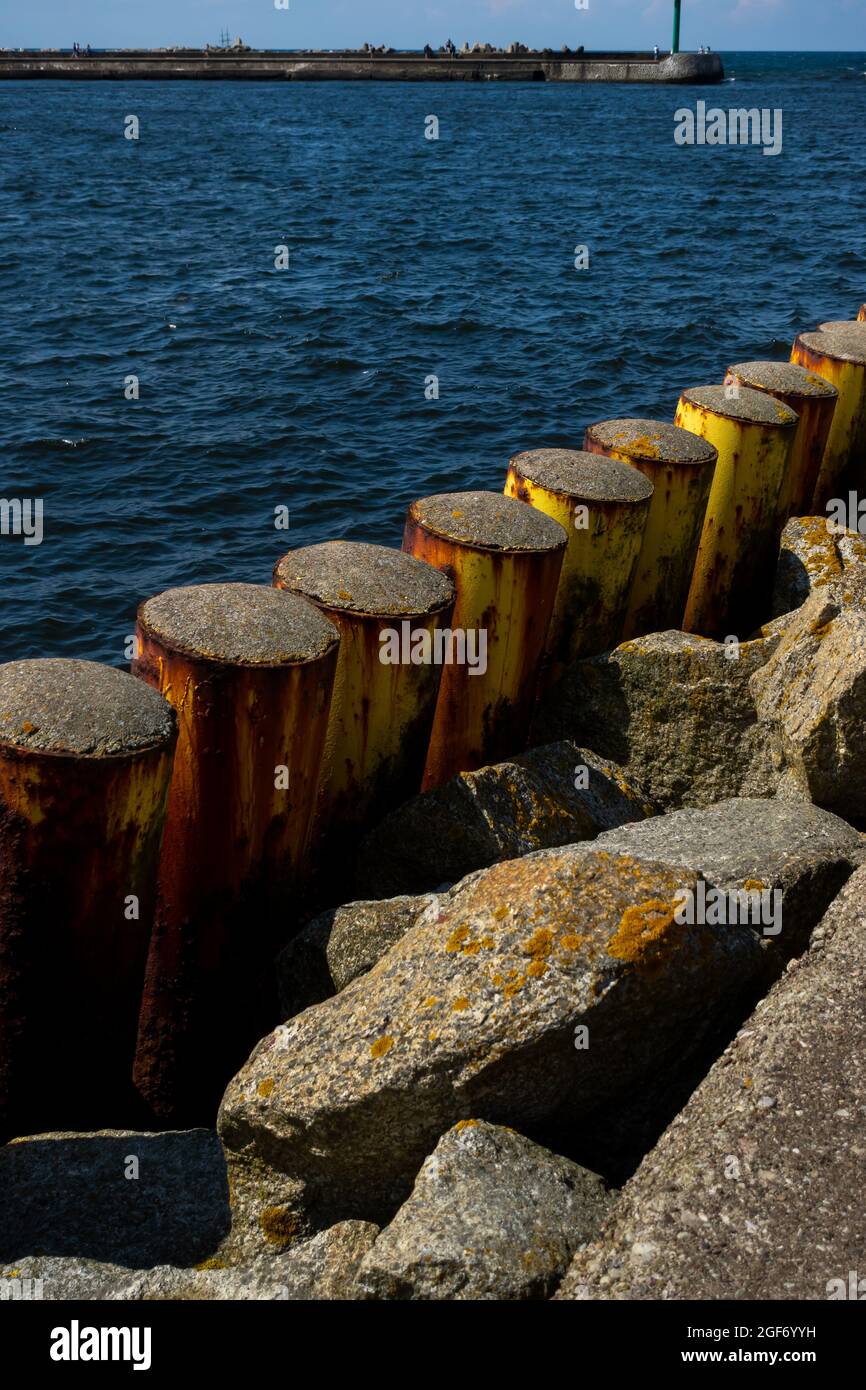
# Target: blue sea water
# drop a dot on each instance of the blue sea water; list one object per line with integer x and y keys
{"x": 305, "y": 388}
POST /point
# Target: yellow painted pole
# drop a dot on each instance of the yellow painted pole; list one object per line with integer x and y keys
{"x": 250, "y": 673}
{"x": 680, "y": 467}
{"x": 603, "y": 505}
{"x": 814, "y": 401}
{"x": 754, "y": 434}
{"x": 837, "y": 352}
{"x": 387, "y": 607}
{"x": 85, "y": 762}
{"x": 505, "y": 560}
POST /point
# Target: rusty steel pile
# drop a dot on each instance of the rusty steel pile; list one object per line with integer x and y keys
{"x": 163, "y": 832}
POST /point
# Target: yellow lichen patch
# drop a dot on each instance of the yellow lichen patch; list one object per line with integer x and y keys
{"x": 342, "y": 594}
{"x": 515, "y": 987}
{"x": 465, "y": 1124}
{"x": 754, "y": 885}
{"x": 537, "y": 969}
{"x": 748, "y": 1082}
{"x": 539, "y": 945}
{"x": 457, "y": 939}
{"x": 381, "y": 1047}
{"x": 487, "y": 942}
{"x": 472, "y": 948}
{"x": 500, "y": 912}
{"x": 432, "y": 1036}
{"x": 279, "y": 1225}
{"x": 265, "y": 1087}
{"x": 460, "y": 1004}
{"x": 572, "y": 942}
{"x": 212, "y": 1263}
{"x": 643, "y": 932}
{"x": 430, "y": 1003}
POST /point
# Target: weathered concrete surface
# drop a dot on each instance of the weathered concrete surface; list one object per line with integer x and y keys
{"x": 80, "y": 708}
{"x": 811, "y": 556}
{"x": 499, "y": 812}
{"x": 813, "y": 691}
{"x": 491, "y": 1216}
{"x": 805, "y": 852}
{"x": 675, "y": 712}
{"x": 322, "y": 1268}
{"x": 114, "y": 1197}
{"x": 473, "y": 1015}
{"x": 185, "y": 64}
{"x": 756, "y": 1189}
{"x": 338, "y": 946}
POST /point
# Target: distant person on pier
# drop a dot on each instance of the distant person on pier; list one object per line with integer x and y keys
{"x": 656, "y": 51}
{"x": 428, "y": 51}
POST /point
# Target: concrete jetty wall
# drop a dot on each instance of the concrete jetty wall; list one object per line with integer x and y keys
{"x": 265, "y": 66}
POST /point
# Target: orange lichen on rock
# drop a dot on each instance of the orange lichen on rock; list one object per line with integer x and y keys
{"x": 265, "y": 1087}
{"x": 381, "y": 1047}
{"x": 643, "y": 932}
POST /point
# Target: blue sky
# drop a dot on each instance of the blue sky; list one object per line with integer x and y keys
{"x": 723, "y": 24}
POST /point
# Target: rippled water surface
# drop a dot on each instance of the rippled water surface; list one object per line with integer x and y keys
{"x": 409, "y": 258}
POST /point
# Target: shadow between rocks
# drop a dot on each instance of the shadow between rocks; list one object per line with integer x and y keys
{"x": 71, "y": 1195}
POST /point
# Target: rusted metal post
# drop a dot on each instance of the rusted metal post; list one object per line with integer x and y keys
{"x": 250, "y": 673}
{"x": 603, "y": 505}
{"x": 505, "y": 560}
{"x": 680, "y": 467}
{"x": 387, "y": 607}
{"x": 753, "y": 433}
{"x": 861, "y": 317}
{"x": 837, "y": 351}
{"x": 85, "y": 764}
{"x": 814, "y": 401}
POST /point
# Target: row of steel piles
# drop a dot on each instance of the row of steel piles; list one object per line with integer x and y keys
{"x": 292, "y": 732}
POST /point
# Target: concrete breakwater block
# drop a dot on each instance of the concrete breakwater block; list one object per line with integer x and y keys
{"x": 554, "y": 795}
{"x": 755, "y": 1190}
{"x": 474, "y": 1013}
{"x": 491, "y": 1216}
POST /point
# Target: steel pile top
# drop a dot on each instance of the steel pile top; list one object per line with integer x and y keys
{"x": 845, "y": 341}
{"x": 238, "y": 624}
{"x": 654, "y": 440}
{"x": 372, "y": 580}
{"x": 788, "y": 377}
{"x": 488, "y": 521}
{"x": 752, "y": 407}
{"x": 81, "y": 709}
{"x": 588, "y": 477}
